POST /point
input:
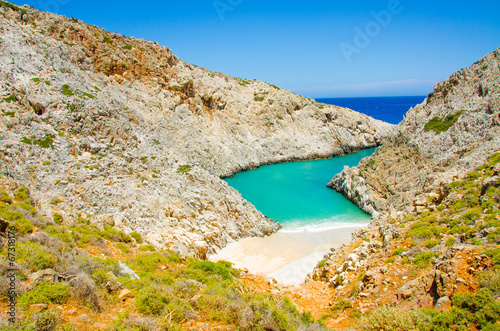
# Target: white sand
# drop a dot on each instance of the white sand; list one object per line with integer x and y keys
{"x": 285, "y": 256}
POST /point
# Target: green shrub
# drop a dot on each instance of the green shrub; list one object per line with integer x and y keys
{"x": 431, "y": 243}
{"x": 494, "y": 254}
{"x": 35, "y": 256}
{"x": 439, "y": 125}
{"x": 321, "y": 263}
{"x": 44, "y": 293}
{"x": 5, "y": 198}
{"x": 472, "y": 215}
{"x": 137, "y": 237}
{"x": 58, "y": 219}
{"x": 129, "y": 47}
{"x": 494, "y": 159}
{"x": 26, "y": 206}
{"x": 66, "y": 90}
{"x": 16, "y": 219}
{"x": 450, "y": 242}
{"x": 391, "y": 318}
{"x": 424, "y": 259}
{"x": 10, "y": 99}
{"x": 184, "y": 169}
{"x": 110, "y": 233}
{"x": 146, "y": 263}
{"x": 107, "y": 40}
{"x": 13, "y": 7}
{"x": 123, "y": 248}
{"x": 342, "y": 305}
{"x": 23, "y": 193}
{"x": 220, "y": 268}
{"x": 399, "y": 250}
{"x": 100, "y": 277}
{"x": 146, "y": 248}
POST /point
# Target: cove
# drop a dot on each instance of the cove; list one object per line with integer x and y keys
{"x": 295, "y": 194}
{"x": 314, "y": 217}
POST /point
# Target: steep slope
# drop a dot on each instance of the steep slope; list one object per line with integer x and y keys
{"x": 121, "y": 132}
{"x": 454, "y": 130}
{"x": 432, "y": 252}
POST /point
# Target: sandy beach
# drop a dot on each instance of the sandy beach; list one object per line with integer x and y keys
{"x": 287, "y": 256}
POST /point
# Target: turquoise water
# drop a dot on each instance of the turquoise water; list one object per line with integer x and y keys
{"x": 295, "y": 194}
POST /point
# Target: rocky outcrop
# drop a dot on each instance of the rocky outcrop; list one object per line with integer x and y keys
{"x": 454, "y": 130}
{"x": 120, "y": 132}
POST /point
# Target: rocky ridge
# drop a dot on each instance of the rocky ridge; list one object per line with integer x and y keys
{"x": 433, "y": 188}
{"x": 454, "y": 130}
{"x": 120, "y": 132}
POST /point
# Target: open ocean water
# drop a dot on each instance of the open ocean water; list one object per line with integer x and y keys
{"x": 387, "y": 109}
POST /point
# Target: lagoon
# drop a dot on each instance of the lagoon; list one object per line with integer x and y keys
{"x": 314, "y": 217}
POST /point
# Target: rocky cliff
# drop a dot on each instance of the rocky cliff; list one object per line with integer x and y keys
{"x": 434, "y": 189}
{"x": 119, "y": 131}
{"x": 454, "y": 130}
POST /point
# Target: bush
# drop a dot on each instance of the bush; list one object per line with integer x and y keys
{"x": 152, "y": 302}
{"x": 342, "y": 305}
{"x": 5, "y": 198}
{"x": 16, "y": 219}
{"x": 146, "y": 248}
{"x": 66, "y": 90}
{"x": 58, "y": 219}
{"x": 399, "y": 251}
{"x": 221, "y": 268}
{"x": 391, "y": 318}
{"x": 424, "y": 259}
{"x": 85, "y": 290}
{"x": 35, "y": 256}
{"x": 439, "y": 125}
{"x": 123, "y": 248}
{"x": 137, "y": 236}
{"x": 26, "y": 206}
{"x": 184, "y": 169}
{"x": 494, "y": 254}
{"x": 147, "y": 263}
{"x": 23, "y": 193}
{"x": 321, "y": 263}
{"x": 44, "y": 293}
{"x": 431, "y": 243}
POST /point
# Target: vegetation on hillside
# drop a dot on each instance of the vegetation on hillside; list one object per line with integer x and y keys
{"x": 170, "y": 290}
{"x": 466, "y": 212}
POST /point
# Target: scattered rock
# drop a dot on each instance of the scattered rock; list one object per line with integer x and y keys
{"x": 126, "y": 294}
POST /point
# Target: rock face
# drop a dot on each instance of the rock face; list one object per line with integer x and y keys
{"x": 120, "y": 132}
{"x": 454, "y": 130}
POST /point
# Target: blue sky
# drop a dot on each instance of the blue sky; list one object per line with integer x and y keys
{"x": 314, "y": 48}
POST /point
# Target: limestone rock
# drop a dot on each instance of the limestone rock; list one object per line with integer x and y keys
{"x": 418, "y": 157}
{"x": 126, "y": 294}
{"x": 122, "y": 128}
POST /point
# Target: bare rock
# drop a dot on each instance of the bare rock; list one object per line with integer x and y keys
{"x": 126, "y": 294}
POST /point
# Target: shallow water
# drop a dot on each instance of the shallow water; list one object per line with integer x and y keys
{"x": 314, "y": 217}
{"x": 295, "y": 194}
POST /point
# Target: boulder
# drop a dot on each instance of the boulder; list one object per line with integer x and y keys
{"x": 126, "y": 294}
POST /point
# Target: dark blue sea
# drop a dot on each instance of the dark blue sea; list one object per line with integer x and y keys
{"x": 387, "y": 109}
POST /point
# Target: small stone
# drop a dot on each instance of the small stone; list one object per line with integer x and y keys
{"x": 83, "y": 318}
{"x": 37, "y": 307}
{"x": 126, "y": 294}
{"x": 71, "y": 312}
{"x": 443, "y": 304}
{"x": 100, "y": 326}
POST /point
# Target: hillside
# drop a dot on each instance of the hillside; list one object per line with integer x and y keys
{"x": 121, "y": 132}
{"x": 453, "y": 131}
{"x": 430, "y": 258}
